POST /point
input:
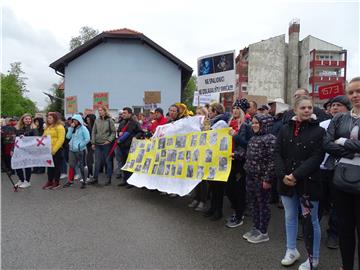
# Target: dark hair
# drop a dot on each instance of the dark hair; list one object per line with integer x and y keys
{"x": 129, "y": 110}
{"x": 217, "y": 107}
{"x": 177, "y": 107}
{"x": 159, "y": 110}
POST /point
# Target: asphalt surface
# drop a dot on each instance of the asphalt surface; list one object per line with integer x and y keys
{"x": 117, "y": 228}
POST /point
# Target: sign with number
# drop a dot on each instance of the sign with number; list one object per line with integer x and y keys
{"x": 331, "y": 90}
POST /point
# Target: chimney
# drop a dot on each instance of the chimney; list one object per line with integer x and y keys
{"x": 293, "y": 60}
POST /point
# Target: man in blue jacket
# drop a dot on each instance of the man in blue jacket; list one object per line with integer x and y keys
{"x": 79, "y": 137}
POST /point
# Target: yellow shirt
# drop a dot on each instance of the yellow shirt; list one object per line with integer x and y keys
{"x": 57, "y": 134}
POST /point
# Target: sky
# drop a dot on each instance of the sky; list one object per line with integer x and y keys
{"x": 36, "y": 33}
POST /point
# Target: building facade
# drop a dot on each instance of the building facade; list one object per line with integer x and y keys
{"x": 124, "y": 63}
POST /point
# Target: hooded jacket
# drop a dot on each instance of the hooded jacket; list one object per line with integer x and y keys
{"x": 79, "y": 137}
{"x": 301, "y": 156}
{"x": 260, "y": 163}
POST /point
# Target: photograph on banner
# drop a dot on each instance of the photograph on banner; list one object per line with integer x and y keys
{"x": 32, "y": 151}
{"x": 216, "y": 73}
{"x": 71, "y": 105}
{"x": 100, "y": 99}
{"x": 202, "y": 155}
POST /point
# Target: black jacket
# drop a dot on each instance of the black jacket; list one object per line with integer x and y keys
{"x": 133, "y": 128}
{"x": 340, "y": 127}
{"x": 301, "y": 156}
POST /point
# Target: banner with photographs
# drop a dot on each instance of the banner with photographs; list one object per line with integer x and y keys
{"x": 202, "y": 155}
{"x": 216, "y": 73}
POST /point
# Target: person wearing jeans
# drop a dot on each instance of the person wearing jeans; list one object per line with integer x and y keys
{"x": 298, "y": 155}
{"x": 291, "y": 206}
{"x": 102, "y": 137}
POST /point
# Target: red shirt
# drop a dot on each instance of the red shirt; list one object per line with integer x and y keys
{"x": 156, "y": 123}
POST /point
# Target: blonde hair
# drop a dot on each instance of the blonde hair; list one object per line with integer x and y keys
{"x": 106, "y": 110}
{"x": 203, "y": 111}
{"x": 301, "y": 98}
{"x": 20, "y": 123}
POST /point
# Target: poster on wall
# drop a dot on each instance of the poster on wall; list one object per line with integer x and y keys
{"x": 71, "y": 104}
{"x": 101, "y": 99}
{"x": 216, "y": 73}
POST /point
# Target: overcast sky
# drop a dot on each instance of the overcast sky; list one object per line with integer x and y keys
{"x": 36, "y": 33}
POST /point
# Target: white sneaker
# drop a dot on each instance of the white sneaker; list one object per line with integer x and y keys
{"x": 76, "y": 177}
{"x": 88, "y": 180}
{"x": 18, "y": 184}
{"x": 63, "y": 176}
{"x": 291, "y": 256}
{"x": 306, "y": 265}
{"x": 26, "y": 184}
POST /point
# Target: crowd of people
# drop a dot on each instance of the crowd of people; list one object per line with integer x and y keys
{"x": 305, "y": 159}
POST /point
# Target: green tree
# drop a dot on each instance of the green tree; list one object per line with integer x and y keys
{"x": 56, "y": 97}
{"x": 13, "y": 101}
{"x": 86, "y": 33}
{"x": 188, "y": 93}
{"x": 15, "y": 69}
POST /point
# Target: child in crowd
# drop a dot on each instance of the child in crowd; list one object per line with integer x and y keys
{"x": 260, "y": 169}
{"x": 79, "y": 137}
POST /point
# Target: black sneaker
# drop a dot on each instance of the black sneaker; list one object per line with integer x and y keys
{"x": 83, "y": 185}
{"x": 68, "y": 184}
{"x": 235, "y": 222}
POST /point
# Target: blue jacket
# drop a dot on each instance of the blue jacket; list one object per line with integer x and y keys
{"x": 80, "y": 138}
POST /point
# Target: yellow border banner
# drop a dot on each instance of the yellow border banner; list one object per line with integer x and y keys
{"x": 202, "y": 155}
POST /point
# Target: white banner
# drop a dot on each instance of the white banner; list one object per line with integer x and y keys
{"x": 216, "y": 73}
{"x": 202, "y": 100}
{"x": 31, "y": 152}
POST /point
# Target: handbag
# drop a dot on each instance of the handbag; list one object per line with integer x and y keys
{"x": 347, "y": 177}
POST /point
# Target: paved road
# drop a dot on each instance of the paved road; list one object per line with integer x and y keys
{"x": 116, "y": 228}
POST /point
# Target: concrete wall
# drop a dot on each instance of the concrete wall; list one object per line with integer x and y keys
{"x": 292, "y": 67}
{"x": 304, "y": 63}
{"x": 267, "y": 67}
{"x": 125, "y": 69}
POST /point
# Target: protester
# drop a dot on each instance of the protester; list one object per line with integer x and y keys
{"x": 39, "y": 123}
{"x": 321, "y": 115}
{"x": 56, "y": 131}
{"x": 130, "y": 130}
{"x": 235, "y": 187}
{"x": 159, "y": 120}
{"x": 218, "y": 119}
{"x": 298, "y": 157}
{"x": 342, "y": 142}
{"x": 25, "y": 127}
{"x": 144, "y": 123}
{"x": 102, "y": 138}
{"x": 260, "y": 176}
{"x": 183, "y": 110}
{"x": 252, "y": 110}
{"x": 201, "y": 190}
{"x": 8, "y": 134}
{"x": 174, "y": 112}
{"x": 264, "y": 109}
{"x": 339, "y": 104}
{"x": 89, "y": 121}
{"x": 79, "y": 137}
